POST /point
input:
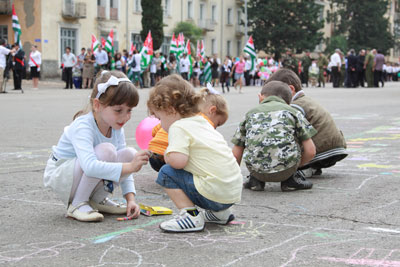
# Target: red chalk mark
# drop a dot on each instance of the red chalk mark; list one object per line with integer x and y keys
{"x": 236, "y": 222}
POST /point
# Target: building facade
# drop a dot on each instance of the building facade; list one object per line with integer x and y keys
{"x": 53, "y": 25}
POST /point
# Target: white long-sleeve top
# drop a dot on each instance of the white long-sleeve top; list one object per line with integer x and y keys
{"x": 37, "y": 57}
{"x": 79, "y": 140}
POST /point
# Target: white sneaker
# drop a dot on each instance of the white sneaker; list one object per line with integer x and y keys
{"x": 184, "y": 222}
{"x": 218, "y": 217}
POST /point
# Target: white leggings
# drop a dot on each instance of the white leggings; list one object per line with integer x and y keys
{"x": 84, "y": 187}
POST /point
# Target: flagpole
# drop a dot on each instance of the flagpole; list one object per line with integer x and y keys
{"x": 245, "y": 19}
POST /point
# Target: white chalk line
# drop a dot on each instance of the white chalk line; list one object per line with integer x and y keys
{"x": 386, "y": 205}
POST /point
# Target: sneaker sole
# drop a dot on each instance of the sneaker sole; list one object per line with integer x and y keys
{"x": 288, "y": 189}
{"x": 183, "y": 230}
{"x": 231, "y": 218}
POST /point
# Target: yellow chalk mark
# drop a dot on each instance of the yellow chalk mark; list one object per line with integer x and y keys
{"x": 393, "y": 137}
{"x": 373, "y": 165}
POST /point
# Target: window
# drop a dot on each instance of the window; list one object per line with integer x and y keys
{"x": 239, "y": 17}
{"x": 114, "y": 9}
{"x": 213, "y": 13}
{"x": 190, "y": 10}
{"x": 167, "y": 8}
{"x": 201, "y": 16}
{"x": 101, "y": 9}
{"x": 68, "y": 38}
{"x": 165, "y": 46}
{"x": 137, "y": 41}
{"x": 137, "y": 7}
{"x": 239, "y": 48}
{"x": 229, "y": 16}
{"x": 4, "y": 32}
{"x": 213, "y": 46}
{"x": 228, "y": 48}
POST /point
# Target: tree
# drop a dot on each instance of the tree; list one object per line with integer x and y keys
{"x": 189, "y": 30}
{"x": 363, "y": 22}
{"x": 280, "y": 24}
{"x": 152, "y": 20}
{"x": 337, "y": 41}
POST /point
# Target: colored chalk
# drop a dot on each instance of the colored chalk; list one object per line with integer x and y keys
{"x": 124, "y": 219}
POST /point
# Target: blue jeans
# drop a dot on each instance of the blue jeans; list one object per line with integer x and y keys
{"x": 169, "y": 177}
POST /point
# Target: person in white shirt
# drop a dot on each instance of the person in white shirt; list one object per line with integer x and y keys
{"x": 35, "y": 60}
{"x": 69, "y": 61}
{"x": 135, "y": 65}
{"x": 4, "y": 51}
{"x": 184, "y": 65}
{"x": 101, "y": 59}
{"x": 336, "y": 63}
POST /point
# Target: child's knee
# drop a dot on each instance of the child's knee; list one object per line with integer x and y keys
{"x": 126, "y": 154}
{"x": 106, "y": 152}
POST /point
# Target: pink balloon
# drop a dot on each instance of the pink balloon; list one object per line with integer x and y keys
{"x": 143, "y": 131}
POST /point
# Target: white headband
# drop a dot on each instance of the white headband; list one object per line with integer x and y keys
{"x": 211, "y": 89}
{"x": 112, "y": 81}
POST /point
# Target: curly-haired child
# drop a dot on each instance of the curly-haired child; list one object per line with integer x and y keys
{"x": 200, "y": 168}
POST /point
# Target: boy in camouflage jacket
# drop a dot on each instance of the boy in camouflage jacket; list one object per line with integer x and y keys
{"x": 270, "y": 140}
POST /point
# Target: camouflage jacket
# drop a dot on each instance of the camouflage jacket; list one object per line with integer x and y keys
{"x": 271, "y": 134}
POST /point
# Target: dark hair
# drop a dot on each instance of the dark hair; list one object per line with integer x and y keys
{"x": 277, "y": 88}
{"x": 2, "y": 41}
{"x": 123, "y": 93}
{"x": 174, "y": 92}
{"x": 287, "y": 76}
{"x": 68, "y": 48}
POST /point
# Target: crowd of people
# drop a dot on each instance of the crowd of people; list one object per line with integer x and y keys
{"x": 367, "y": 68}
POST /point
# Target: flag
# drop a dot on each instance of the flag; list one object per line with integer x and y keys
{"x": 249, "y": 49}
{"x": 173, "y": 48}
{"x": 109, "y": 47}
{"x": 146, "y": 52}
{"x": 95, "y": 44}
{"x": 103, "y": 42}
{"x": 133, "y": 48}
{"x": 181, "y": 44}
{"x": 16, "y": 27}
{"x": 202, "y": 52}
{"x": 188, "y": 51}
{"x": 207, "y": 72}
{"x": 198, "y": 49}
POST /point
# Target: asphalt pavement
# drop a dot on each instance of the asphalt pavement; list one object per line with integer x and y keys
{"x": 349, "y": 218}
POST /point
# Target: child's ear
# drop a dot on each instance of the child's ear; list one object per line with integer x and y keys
{"x": 96, "y": 104}
{"x": 292, "y": 89}
{"x": 212, "y": 109}
{"x": 261, "y": 97}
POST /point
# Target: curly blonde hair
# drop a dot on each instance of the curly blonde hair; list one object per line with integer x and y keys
{"x": 174, "y": 92}
{"x": 210, "y": 99}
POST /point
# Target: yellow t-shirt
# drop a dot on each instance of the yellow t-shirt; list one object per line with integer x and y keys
{"x": 216, "y": 174}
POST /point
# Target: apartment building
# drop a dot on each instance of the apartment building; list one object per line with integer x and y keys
{"x": 53, "y": 25}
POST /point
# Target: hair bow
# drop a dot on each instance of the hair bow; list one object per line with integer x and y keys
{"x": 211, "y": 89}
{"x": 112, "y": 81}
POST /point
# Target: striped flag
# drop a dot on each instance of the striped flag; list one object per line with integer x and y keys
{"x": 173, "y": 48}
{"x": 202, "y": 52}
{"x": 133, "y": 48}
{"x": 181, "y": 44}
{"x": 146, "y": 52}
{"x": 249, "y": 49}
{"x": 207, "y": 72}
{"x": 95, "y": 44}
{"x": 16, "y": 27}
{"x": 109, "y": 47}
{"x": 188, "y": 51}
{"x": 103, "y": 42}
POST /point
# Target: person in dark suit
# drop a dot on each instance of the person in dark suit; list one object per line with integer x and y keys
{"x": 18, "y": 66}
{"x": 352, "y": 69}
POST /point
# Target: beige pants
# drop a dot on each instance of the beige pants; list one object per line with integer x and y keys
{"x": 2, "y": 80}
{"x": 276, "y": 176}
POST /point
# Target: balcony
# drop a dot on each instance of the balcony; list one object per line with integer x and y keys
{"x": 114, "y": 13}
{"x": 5, "y": 7}
{"x": 74, "y": 10}
{"x": 240, "y": 2}
{"x": 239, "y": 30}
{"x": 206, "y": 24}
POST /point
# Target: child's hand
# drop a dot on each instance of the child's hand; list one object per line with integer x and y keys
{"x": 141, "y": 158}
{"x": 132, "y": 209}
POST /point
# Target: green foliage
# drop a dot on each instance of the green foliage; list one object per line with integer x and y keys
{"x": 280, "y": 24}
{"x": 364, "y": 23}
{"x": 338, "y": 41}
{"x": 152, "y": 20}
{"x": 189, "y": 30}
